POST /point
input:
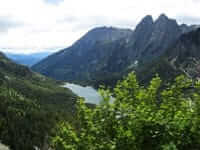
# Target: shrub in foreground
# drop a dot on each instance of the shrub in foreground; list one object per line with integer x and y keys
{"x": 156, "y": 117}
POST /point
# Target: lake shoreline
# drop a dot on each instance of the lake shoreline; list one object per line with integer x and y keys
{"x": 89, "y": 93}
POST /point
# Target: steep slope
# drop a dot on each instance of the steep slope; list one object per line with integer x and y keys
{"x": 33, "y": 85}
{"x": 165, "y": 32}
{"x": 183, "y": 57}
{"x": 96, "y": 59}
{"x": 70, "y": 63}
{"x": 30, "y": 106}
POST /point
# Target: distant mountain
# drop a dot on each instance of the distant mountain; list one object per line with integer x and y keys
{"x": 104, "y": 55}
{"x": 27, "y": 59}
{"x": 69, "y": 63}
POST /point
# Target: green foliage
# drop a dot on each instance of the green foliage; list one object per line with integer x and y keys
{"x": 23, "y": 124}
{"x": 30, "y": 106}
{"x": 29, "y": 111}
{"x": 155, "y": 117}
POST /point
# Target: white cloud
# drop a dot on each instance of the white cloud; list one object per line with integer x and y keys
{"x": 54, "y": 2}
{"x": 34, "y": 25}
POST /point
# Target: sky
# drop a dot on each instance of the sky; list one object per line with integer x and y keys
{"x": 28, "y": 26}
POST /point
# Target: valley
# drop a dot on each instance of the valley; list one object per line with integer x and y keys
{"x": 27, "y": 59}
{"x": 112, "y": 89}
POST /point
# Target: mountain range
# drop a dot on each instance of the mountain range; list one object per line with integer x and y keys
{"x": 183, "y": 57}
{"x": 105, "y": 54}
{"x": 32, "y": 104}
{"x": 27, "y": 59}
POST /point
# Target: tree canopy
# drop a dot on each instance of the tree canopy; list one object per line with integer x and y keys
{"x": 154, "y": 117}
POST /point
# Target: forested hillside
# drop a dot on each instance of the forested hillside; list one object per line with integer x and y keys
{"x": 30, "y": 106}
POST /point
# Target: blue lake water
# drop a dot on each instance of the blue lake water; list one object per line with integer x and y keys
{"x": 90, "y": 94}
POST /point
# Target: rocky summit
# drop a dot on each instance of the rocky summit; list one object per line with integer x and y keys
{"x": 106, "y": 54}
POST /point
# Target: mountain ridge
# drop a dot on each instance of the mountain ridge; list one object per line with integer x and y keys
{"x": 183, "y": 57}
{"x": 27, "y": 59}
{"x": 33, "y": 85}
{"x": 95, "y": 61}
{"x": 30, "y": 106}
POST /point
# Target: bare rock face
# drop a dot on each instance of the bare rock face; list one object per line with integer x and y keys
{"x": 187, "y": 54}
{"x": 73, "y": 61}
{"x": 105, "y": 52}
{"x": 165, "y": 32}
{"x": 183, "y": 57}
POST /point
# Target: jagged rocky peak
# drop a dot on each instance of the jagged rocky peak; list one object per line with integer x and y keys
{"x": 161, "y": 23}
{"x": 163, "y": 17}
{"x": 110, "y": 50}
{"x": 147, "y": 20}
{"x": 144, "y": 27}
{"x": 165, "y": 23}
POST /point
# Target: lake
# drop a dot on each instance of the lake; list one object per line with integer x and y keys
{"x": 89, "y": 93}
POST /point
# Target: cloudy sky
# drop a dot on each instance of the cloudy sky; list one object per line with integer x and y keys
{"x": 28, "y": 26}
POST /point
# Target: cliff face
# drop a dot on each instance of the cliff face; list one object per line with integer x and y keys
{"x": 183, "y": 57}
{"x": 105, "y": 52}
{"x": 70, "y": 63}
